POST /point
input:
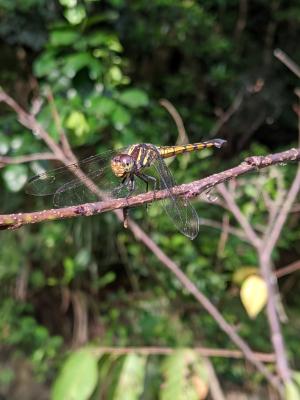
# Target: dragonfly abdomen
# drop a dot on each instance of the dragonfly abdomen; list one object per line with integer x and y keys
{"x": 170, "y": 151}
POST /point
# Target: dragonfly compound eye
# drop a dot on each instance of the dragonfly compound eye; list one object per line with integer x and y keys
{"x": 122, "y": 164}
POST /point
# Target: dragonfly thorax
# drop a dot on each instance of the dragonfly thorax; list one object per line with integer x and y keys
{"x": 122, "y": 165}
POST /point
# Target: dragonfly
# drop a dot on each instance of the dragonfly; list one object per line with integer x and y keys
{"x": 122, "y": 173}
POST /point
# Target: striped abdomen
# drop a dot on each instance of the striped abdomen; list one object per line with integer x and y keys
{"x": 170, "y": 151}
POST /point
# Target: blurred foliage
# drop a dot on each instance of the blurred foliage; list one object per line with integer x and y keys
{"x": 107, "y": 64}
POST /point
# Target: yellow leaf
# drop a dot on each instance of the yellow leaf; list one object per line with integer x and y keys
{"x": 254, "y": 295}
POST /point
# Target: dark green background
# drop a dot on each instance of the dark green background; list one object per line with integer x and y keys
{"x": 108, "y": 64}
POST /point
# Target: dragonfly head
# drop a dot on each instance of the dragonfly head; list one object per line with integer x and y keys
{"x": 122, "y": 165}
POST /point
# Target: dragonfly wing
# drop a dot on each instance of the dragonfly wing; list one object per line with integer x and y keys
{"x": 80, "y": 190}
{"x": 179, "y": 210}
{"x": 51, "y": 181}
{"x": 95, "y": 186}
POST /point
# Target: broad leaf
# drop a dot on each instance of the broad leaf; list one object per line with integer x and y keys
{"x": 131, "y": 380}
{"x": 63, "y": 37}
{"x": 78, "y": 377}
{"x": 134, "y": 98}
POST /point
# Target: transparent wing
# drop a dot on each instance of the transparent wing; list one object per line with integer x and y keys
{"x": 85, "y": 181}
{"x": 95, "y": 186}
{"x": 50, "y": 181}
{"x": 179, "y": 210}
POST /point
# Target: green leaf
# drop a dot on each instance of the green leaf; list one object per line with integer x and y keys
{"x": 103, "y": 105}
{"x": 45, "y": 64}
{"x": 63, "y": 37}
{"x": 15, "y": 177}
{"x": 75, "y": 15}
{"x": 134, "y": 98}
{"x": 291, "y": 391}
{"x": 68, "y": 3}
{"x": 131, "y": 380}
{"x": 78, "y": 377}
{"x": 120, "y": 117}
{"x": 115, "y": 74}
{"x": 74, "y": 62}
{"x": 77, "y": 123}
{"x": 106, "y": 40}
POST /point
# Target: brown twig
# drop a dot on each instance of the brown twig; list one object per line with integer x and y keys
{"x": 224, "y": 235}
{"x": 226, "y": 115}
{"x": 218, "y": 225}
{"x": 240, "y": 217}
{"x": 189, "y": 190}
{"x": 288, "y": 269}
{"x": 56, "y": 117}
{"x": 272, "y": 313}
{"x": 203, "y": 351}
{"x": 241, "y": 20}
{"x": 287, "y": 61}
{"x": 4, "y": 160}
{"x": 271, "y": 31}
{"x": 182, "y": 136}
{"x": 30, "y": 122}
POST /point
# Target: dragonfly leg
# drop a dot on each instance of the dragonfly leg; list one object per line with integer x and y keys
{"x": 147, "y": 179}
{"x": 125, "y": 217}
{"x": 129, "y": 182}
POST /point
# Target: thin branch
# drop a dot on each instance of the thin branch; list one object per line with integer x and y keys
{"x": 29, "y": 121}
{"x": 4, "y": 160}
{"x": 224, "y": 234}
{"x": 218, "y": 225}
{"x": 272, "y": 314}
{"x": 240, "y": 217}
{"x": 226, "y": 115}
{"x": 289, "y": 269}
{"x": 287, "y": 61}
{"x": 274, "y": 206}
{"x": 188, "y": 190}
{"x": 270, "y": 241}
{"x": 242, "y": 19}
{"x": 271, "y": 31}
{"x": 182, "y": 136}
{"x": 203, "y": 351}
{"x": 215, "y": 389}
{"x": 56, "y": 117}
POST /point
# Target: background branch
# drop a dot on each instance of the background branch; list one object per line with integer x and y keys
{"x": 287, "y": 61}
{"x": 4, "y": 160}
{"x": 203, "y": 351}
